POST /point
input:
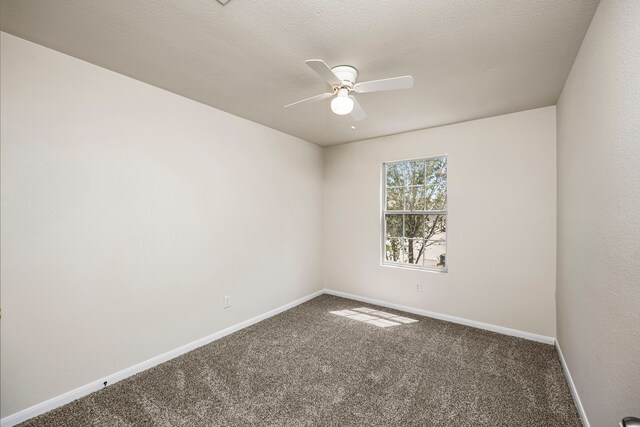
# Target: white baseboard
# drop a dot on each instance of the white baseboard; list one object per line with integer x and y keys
{"x": 487, "y": 326}
{"x": 79, "y": 392}
{"x": 572, "y": 387}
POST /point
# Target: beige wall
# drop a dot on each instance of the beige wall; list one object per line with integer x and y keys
{"x": 598, "y": 288}
{"x": 128, "y": 213}
{"x": 501, "y": 226}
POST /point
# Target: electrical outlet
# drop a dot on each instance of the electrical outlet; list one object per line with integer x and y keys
{"x": 227, "y": 301}
{"x": 418, "y": 287}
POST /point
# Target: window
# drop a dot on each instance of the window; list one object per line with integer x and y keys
{"x": 415, "y": 213}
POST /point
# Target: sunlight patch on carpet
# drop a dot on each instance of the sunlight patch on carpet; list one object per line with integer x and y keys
{"x": 373, "y": 317}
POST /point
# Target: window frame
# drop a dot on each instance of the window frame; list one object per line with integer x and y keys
{"x": 384, "y": 212}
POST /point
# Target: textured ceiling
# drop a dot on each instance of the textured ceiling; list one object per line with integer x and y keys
{"x": 470, "y": 59}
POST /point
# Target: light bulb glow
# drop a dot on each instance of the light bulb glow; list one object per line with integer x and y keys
{"x": 342, "y": 104}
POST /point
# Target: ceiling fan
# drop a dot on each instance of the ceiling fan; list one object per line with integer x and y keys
{"x": 343, "y": 81}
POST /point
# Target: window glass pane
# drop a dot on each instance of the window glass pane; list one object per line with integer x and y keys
{"x": 394, "y": 225}
{"x": 414, "y": 249}
{"x": 436, "y": 196}
{"x": 436, "y": 181}
{"x": 413, "y": 172}
{"x": 435, "y": 254}
{"x": 395, "y": 174}
{"x": 414, "y": 198}
{"x": 414, "y": 226}
{"x": 395, "y": 198}
{"x": 435, "y": 227}
{"x": 436, "y": 170}
{"x": 393, "y": 250}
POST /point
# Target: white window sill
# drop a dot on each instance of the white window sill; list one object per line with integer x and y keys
{"x": 415, "y": 267}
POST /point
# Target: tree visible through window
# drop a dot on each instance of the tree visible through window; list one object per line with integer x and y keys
{"x": 415, "y": 213}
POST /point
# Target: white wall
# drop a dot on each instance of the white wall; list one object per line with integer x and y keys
{"x": 501, "y": 225}
{"x": 128, "y": 213}
{"x": 598, "y": 288}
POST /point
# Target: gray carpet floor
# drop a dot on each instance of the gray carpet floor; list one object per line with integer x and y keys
{"x": 338, "y": 362}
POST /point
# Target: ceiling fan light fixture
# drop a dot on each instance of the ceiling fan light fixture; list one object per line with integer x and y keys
{"x": 342, "y": 104}
{"x": 343, "y": 79}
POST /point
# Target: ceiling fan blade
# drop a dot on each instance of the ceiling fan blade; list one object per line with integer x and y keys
{"x": 312, "y": 99}
{"x": 323, "y": 70}
{"x": 404, "y": 82}
{"x": 357, "y": 113}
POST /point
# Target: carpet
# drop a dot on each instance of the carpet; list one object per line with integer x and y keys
{"x": 337, "y": 362}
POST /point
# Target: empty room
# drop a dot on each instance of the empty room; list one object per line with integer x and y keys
{"x": 320, "y": 213}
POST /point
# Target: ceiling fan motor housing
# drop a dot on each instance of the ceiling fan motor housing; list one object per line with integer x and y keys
{"x": 346, "y": 74}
